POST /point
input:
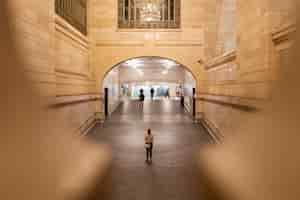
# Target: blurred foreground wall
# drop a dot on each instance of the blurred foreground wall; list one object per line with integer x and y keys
{"x": 56, "y": 59}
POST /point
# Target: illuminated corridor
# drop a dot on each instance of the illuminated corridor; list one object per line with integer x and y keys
{"x": 173, "y": 173}
{"x": 82, "y": 82}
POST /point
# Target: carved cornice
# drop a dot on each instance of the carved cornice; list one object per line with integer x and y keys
{"x": 283, "y": 34}
{"x": 143, "y": 43}
{"x": 234, "y": 105}
{"x": 64, "y": 100}
{"x": 68, "y": 72}
{"x": 148, "y": 30}
{"x": 220, "y": 60}
{"x": 178, "y": 44}
{"x": 120, "y": 43}
{"x": 239, "y": 103}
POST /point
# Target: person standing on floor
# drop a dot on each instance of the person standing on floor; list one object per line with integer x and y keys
{"x": 149, "y": 138}
{"x": 141, "y": 100}
{"x": 168, "y": 93}
{"x": 152, "y": 93}
{"x": 142, "y": 96}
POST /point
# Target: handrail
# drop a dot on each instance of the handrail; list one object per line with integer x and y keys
{"x": 87, "y": 124}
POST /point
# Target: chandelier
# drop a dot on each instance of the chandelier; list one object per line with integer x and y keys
{"x": 150, "y": 10}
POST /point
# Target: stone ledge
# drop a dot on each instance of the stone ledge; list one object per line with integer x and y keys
{"x": 283, "y": 33}
{"x": 220, "y": 60}
{"x": 148, "y": 30}
{"x": 107, "y": 43}
{"x": 247, "y": 105}
{"x": 179, "y": 43}
{"x": 64, "y": 100}
{"x": 64, "y": 71}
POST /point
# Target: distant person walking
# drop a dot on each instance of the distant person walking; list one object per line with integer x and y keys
{"x": 142, "y": 96}
{"x": 149, "y": 138}
{"x": 141, "y": 99}
{"x": 168, "y": 93}
{"x": 152, "y": 93}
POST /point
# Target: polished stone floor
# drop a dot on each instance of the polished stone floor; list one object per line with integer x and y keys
{"x": 173, "y": 172}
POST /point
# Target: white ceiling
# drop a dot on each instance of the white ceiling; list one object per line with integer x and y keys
{"x": 151, "y": 69}
{"x": 151, "y": 62}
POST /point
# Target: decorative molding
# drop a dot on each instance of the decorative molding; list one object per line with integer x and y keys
{"x": 120, "y": 43}
{"x": 62, "y": 76}
{"x": 178, "y": 44}
{"x": 142, "y": 43}
{"x": 28, "y": 70}
{"x": 283, "y": 35}
{"x": 64, "y": 100}
{"x": 64, "y": 71}
{"x": 81, "y": 94}
{"x": 229, "y": 101}
{"x": 65, "y": 28}
{"x": 148, "y": 30}
{"x": 220, "y": 60}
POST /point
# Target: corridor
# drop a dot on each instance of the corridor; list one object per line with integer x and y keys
{"x": 173, "y": 173}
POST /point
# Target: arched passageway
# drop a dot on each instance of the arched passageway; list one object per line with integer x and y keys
{"x": 158, "y": 78}
{"x": 177, "y": 137}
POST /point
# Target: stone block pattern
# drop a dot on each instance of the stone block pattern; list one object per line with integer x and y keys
{"x": 238, "y": 88}
{"x": 56, "y": 58}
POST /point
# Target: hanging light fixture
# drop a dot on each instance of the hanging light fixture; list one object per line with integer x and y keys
{"x": 150, "y": 10}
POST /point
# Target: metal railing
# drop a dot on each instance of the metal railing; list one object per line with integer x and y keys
{"x": 74, "y": 12}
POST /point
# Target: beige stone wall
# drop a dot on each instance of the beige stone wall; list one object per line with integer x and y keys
{"x": 69, "y": 68}
{"x": 112, "y": 45}
{"x": 226, "y": 27}
{"x": 238, "y": 84}
{"x": 56, "y": 60}
{"x": 31, "y": 23}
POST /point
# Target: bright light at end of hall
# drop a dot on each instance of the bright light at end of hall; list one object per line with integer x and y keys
{"x": 148, "y": 19}
{"x": 165, "y": 72}
{"x": 141, "y": 73}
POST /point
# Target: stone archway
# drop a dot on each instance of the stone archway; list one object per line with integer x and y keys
{"x": 184, "y": 77}
{"x": 158, "y": 57}
{"x": 190, "y": 65}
